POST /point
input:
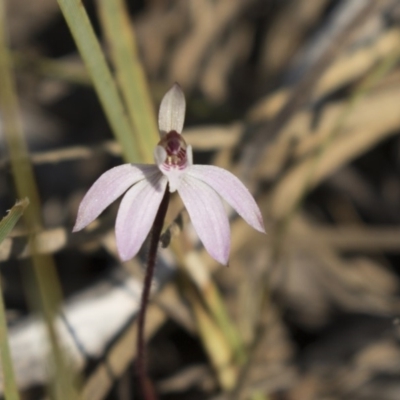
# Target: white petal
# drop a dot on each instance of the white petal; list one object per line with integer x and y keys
{"x": 208, "y": 217}
{"x": 189, "y": 155}
{"x": 232, "y": 190}
{"x": 160, "y": 155}
{"x": 111, "y": 185}
{"x": 172, "y": 111}
{"x": 174, "y": 177}
{"x": 136, "y": 214}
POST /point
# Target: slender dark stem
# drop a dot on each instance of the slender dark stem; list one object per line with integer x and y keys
{"x": 145, "y": 383}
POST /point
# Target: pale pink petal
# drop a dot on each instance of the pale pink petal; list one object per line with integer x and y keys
{"x": 232, "y": 190}
{"x": 172, "y": 111}
{"x": 111, "y": 185}
{"x": 208, "y": 217}
{"x": 136, "y": 214}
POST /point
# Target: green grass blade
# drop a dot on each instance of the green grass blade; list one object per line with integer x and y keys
{"x": 9, "y": 384}
{"x": 103, "y": 82}
{"x": 9, "y": 221}
{"x": 44, "y": 267}
{"x": 121, "y": 41}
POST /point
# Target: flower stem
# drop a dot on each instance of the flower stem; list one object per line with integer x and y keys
{"x": 145, "y": 383}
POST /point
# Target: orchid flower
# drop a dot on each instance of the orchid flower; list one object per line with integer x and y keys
{"x": 198, "y": 185}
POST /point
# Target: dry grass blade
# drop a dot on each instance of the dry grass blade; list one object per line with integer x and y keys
{"x": 119, "y": 357}
{"x": 347, "y": 68}
{"x": 187, "y": 58}
{"x": 356, "y": 284}
{"x": 214, "y": 341}
{"x": 267, "y": 369}
{"x": 350, "y": 238}
{"x": 213, "y": 323}
{"x": 300, "y": 95}
{"x": 288, "y": 30}
{"x": 201, "y": 138}
{"x": 336, "y": 150}
{"x": 51, "y": 241}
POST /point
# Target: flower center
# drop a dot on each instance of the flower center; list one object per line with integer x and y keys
{"x": 175, "y": 146}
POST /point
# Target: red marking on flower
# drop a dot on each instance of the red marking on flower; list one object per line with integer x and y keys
{"x": 175, "y": 146}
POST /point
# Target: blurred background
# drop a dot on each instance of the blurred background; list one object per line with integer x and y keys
{"x": 301, "y": 100}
